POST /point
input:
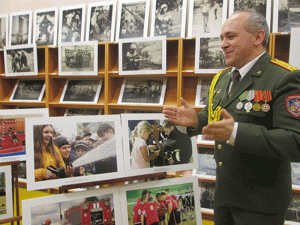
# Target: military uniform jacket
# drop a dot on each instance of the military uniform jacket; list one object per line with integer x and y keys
{"x": 255, "y": 173}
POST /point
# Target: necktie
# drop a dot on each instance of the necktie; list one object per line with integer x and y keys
{"x": 235, "y": 77}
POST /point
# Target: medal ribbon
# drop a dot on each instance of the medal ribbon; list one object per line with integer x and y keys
{"x": 243, "y": 96}
{"x": 258, "y": 96}
{"x": 267, "y": 96}
{"x": 251, "y": 95}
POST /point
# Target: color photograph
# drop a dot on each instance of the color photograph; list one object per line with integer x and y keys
{"x": 169, "y": 201}
{"x": 20, "y": 28}
{"x": 78, "y": 151}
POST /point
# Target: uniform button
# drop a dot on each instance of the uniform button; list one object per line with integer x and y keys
{"x": 219, "y": 146}
{"x": 220, "y": 163}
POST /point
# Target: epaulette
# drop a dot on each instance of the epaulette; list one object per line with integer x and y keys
{"x": 284, "y": 65}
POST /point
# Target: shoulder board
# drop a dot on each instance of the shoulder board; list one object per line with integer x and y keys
{"x": 221, "y": 71}
{"x": 284, "y": 65}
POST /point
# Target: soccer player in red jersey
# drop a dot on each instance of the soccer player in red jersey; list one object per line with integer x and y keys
{"x": 138, "y": 210}
{"x": 150, "y": 212}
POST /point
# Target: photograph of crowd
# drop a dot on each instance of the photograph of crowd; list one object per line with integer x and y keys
{"x": 20, "y": 60}
{"x": 72, "y": 24}
{"x": 45, "y": 27}
{"x": 143, "y": 91}
{"x": 101, "y": 21}
{"x": 142, "y": 56}
{"x": 206, "y": 17}
{"x": 172, "y": 203}
{"x": 169, "y": 18}
{"x": 3, "y": 30}
{"x": 132, "y": 18}
{"x": 202, "y": 91}
{"x": 20, "y": 28}
{"x": 81, "y": 91}
{"x": 209, "y": 57}
{"x": 286, "y": 15}
{"x": 28, "y": 90}
{"x": 78, "y": 58}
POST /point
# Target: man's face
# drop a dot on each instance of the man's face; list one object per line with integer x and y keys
{"x": 168, "y": 130}
{"x": 65, "y": 151}
{"x": 80, "y": 152}
{"x": 237, "y": 43}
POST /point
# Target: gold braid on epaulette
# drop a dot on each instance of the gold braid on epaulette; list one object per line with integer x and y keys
{"x": 284, "y": 65}
{"x": 214, "y": 115}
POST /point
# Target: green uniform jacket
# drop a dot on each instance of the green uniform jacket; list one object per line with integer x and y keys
{"x": 255, "y": 174}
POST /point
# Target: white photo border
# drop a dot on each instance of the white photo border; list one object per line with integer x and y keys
{"x": 294, "y": 47}
{"x": 12, "y": 15}
{"x": 126, "y": 147}
{"x": 96, "y": 97}
{"x": 63, "y": 45}
{"x": 113, "y": 18}
{"x": 6, "y": 17}
{"x": 162, "y": 97}
{"x": 39, "y": 99}
{"x": 20, "y": 47}
{"x": 43, "y": 202}
{"x": 55, "y": 26}
{"x": 8, "y": 192}
{"x": 68, "y": 122}
{"x": 163, "y": 184}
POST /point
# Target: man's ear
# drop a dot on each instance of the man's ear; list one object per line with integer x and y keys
{"x": 259, "y": 37}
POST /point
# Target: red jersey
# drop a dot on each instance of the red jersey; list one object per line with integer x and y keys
{"x": 137, "y": 212}
{"x": 175, "y": 198}
{"x": 162, "y": 207}
{"x": 150, "y": 212}
{"x": 169, "y": 200}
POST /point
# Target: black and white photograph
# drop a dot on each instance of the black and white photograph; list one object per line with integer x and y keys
{"x": 45, "y": 27}
{"x": 101, "y": 19}
{"x": 3, "y": 30}
{"x": 94, "y": 207}
{"x": 132, "y": 19}
{"x": 293, "y": 212}
{"x": 262, "y": 6}
{"x": 151, "y": 143}
{"x": 6, "y": 193}
{"x": 206, "y": 17}
{"x": 209, "y": 57}
{"x": 80, "y": 58}
{"x": 286, "y": 15}
{"x": 168, "y": 18}
{"x": 143, "y": 91}
{"x": 142, "y": 56}
{"x": 160, "y": 201}
{"x": 206, "y": 163}
{"x": 83, "y": 112}
{"x": 81, "y": 91}
{"x": 86, "y": 149}
{"x": 20, "y": 28}
{"x": 202, "y": 91}
{"x": 21, "y": 60}
{"x": 28, "y": 91}
{"x": 207, "y": 194}
{"x": 294, "y": 47}
{"x": 72, "y": 23}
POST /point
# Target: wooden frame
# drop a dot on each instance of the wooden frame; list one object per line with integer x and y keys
{"x": 20, "y": 20}
{"x": 28, "y": 91}
{"x": 4, "y": 30}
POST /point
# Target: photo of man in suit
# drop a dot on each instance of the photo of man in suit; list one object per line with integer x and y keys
{"x": 254, "y": 122}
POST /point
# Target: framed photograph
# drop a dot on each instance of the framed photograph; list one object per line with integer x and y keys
{"x": 100, "y": 206}
{"x": 209, "y": 57}
{"x": 143, "y": 91}
{"x": 263, "y": 6}
{"x": 292, "y": 215}
{"x": 12, "y": 132}
{"x": 152, "y": 144}
{"x": 6, "y": 193}
{"x": 168, "y": 18}
{"x": 169, "y": 193}
{"x": 206, "y": 17}
{"x": 206, "y": 164}
{"x": 132, "y": 20}
{"x": 45, "y": 26}
{"x": 295, "y": 174}
{"x": 102, "y": 160}
{"x": 28, "y": 91}
{"x": 20, "y": 28}
{"x": 3, "y": 30}
{"x": 140, "y": 56}
{"x": 83, "y": 112}
{"x": 294, "y": 47}
{"x": 81, "y": 91}
{"x": 78, "y": 58}
{"x": 72, "y": 23}
{"x": 21, "y": 60}
{"x": 207, "y": 194}
{"x": 202, "y": 91}
{"x": 285, "y": 15}
{"x": 101, "y": 19}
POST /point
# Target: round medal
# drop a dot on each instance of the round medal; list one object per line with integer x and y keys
{"x": 248, "y": 107}
{"x": 256, "y": 107}
{"x": 239, "y": 105}
{"x": 265, "y": 107}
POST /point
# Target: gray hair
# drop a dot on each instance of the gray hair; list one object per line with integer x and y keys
{"x": 256, "y": 21}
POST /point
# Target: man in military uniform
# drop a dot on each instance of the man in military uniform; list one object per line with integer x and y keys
{"x": 255, "y": 125}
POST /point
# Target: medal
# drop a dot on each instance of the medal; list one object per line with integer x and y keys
{"x": 250, "y": 96}
{"x": 242, "y": 97}
{"x": 266, "y": 98}
{"x": 257, "y": 99}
